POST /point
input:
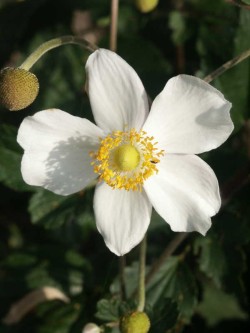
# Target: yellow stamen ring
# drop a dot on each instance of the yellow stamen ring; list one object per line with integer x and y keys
{"x": 126, "y": 159}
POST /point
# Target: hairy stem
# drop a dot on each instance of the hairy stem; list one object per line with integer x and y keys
{"x": 229, "y": 64}
{"x": 141, "y": 284}
{"x": 53, "y": 43}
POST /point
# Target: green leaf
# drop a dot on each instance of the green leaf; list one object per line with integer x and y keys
{"x": 235, "y": 83}
{"x": 217, "y": 306}
{"x": 111, "y": 310}
{"x": 11, "y": 155}
{"x": 174, "y": 280}
{"x": 20, "y": 260}
{"x": 58, "y": 319}
{"x": 163, "y": 316}
{"x": 212, "y": 258}
{"x": 178, "y": 26}
{"x": 52, "y": 210}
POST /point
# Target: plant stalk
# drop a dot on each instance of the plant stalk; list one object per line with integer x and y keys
{"x": 142, "y": 266}
{"x": 53, "y": 43}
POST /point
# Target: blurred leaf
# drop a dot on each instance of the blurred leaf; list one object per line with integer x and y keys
{"x": 178, "y": 26}
{"x": 212, "y": 258}
{"x": 217, "y": 306}
{"x": 60, "y": 319}
{"x": 20, "y": 260}
{"x": 163, "y": 316}
{"x": 52, "y": 210}
{"x": 235, "y": 83}
{"x": 11, "y": 155}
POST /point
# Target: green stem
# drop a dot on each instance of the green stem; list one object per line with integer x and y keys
{"x": 53, "y": 43}
{"x": 229, "y": 64}
{"x": 141, "y": 285}
{"x": 122, "y": 265}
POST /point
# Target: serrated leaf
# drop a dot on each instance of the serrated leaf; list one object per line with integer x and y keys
{"x": 174, "y": 280}
{"x": 108, "y": 310}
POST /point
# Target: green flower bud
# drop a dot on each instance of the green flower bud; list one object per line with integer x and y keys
{"x": 146, "y": 6}
{"x": 18, "y": 88}
{"x": 135, "y": 322}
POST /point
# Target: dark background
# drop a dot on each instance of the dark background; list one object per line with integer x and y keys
{"x": 48, "y": 240}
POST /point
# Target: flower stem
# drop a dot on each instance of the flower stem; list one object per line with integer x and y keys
{"x": 53, "y": 43}
{"x": 141, "y": 284}
{"x": 229, "y": 64}
{"x": 122, "y": 265}
{"x": 113, "y": 25}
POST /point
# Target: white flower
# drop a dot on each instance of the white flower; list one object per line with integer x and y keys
{"x": 142, "y": 159}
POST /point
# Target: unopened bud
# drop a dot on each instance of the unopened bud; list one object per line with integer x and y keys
{"x": 91, "y": 328}
{"x": 18, "y": 88}
{"x": 146, "y": 6}
{"x": 135, "y": 322}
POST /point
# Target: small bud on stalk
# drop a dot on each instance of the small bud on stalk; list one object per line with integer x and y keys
{"x": 91, "y": 328}
{"x": 146, "y": 6}
{"x": 18, "y": 88}
{"x": 135, "y": 322}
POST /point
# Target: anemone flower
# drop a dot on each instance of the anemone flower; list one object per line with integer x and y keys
{"x": 141, "y": 159}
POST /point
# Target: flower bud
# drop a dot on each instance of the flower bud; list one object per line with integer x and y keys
{"x": 135, "y": 322}
{"x": 18, "y": 88}
{"x": 146, "y": 6}
{"x": 91, "y": 328}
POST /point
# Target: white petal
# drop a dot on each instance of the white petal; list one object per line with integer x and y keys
{"x": 56, "y": 151}
{"x": 189, "y": 116}
{"x": 185, "y": 192}
{"x": 117, "y": 96}
{"x": 122, "y": 217}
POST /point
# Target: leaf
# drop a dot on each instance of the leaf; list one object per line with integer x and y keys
{"x": 163, "y": 316}
{"x": 178, "y": 26}
{"x": 108, "y": 310}
{"x": 11, "y": 155}
{"x": 235, "y": 83}
{"x": 59, "y": 319}
{"x": 174, "y": 280}
{"x": 212, "y": 258}
{"x": 52, "y": 210}
{"x": 217, "y": 306}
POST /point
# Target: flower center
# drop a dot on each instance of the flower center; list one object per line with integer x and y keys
{"x": 126, "y": 157}
{"x": 125, "y": 160}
